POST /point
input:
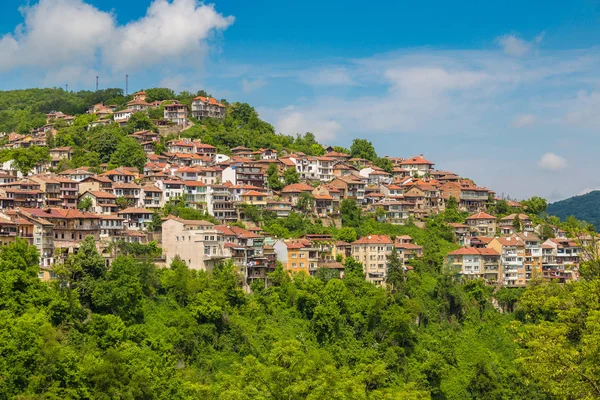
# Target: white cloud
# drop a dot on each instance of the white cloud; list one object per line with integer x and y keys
{"x": 56, "y": 32}
{"x": 169, "y": 31}
{"x": 517, "y": 47}
{"x": 252, "y": 85}
{"x": 552, "y": 162}
{"x": 71, "y": 32}
{"x": 524, "y": 120}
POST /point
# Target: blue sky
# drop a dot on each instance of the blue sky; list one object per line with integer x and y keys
{"x": 506, "y": 92}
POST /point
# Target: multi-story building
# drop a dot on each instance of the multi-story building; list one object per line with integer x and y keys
{"x": 482, "y": 224}
{"x": 372, "y": 251}
{"x": 177, "y": 113}
{"x": 70, "y": 227}
{"x": 477, "y": 263}
{"x": 350, "y": 187}
{"x": 136, "y": 218}
{"x": 196, "y": 195}
{"x": 417, "y": 166}
{"x": 521, "y": 257}
{"x": 197, "y": 243}
{"x": 207, "y": 107}
{"x": 560, "y": 259}
{"x": 152, "y": 197}
{"x": 22, "y": 193}
{"x": 104, "y": 203}
{"x": 297, "y": 256}
{"x": 220, "y": 203}
{"x": 130, "y": 192}
{"x": 507, "y": 224}
{"x": 292, "y": 193}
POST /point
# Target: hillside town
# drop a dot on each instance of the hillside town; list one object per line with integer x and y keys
{"x": 55, "y": 208}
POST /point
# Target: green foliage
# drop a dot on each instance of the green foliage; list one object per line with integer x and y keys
{"x": 535, "y": 205}
{"x": 290, "y": 176}
{"x": 351, "y": 213}
{"x": 273, "y": 179}
{"x": 26, "y": 158}
{"x": 582, "y": 207}
{"x": 362, "y": 148}
{"x": 385, "y": 164}
{"x": 85, "y": 204}
{"x": 129, "y": 153}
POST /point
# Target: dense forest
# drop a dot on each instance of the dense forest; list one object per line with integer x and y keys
{"x": 584, "y": 207}
{"x": 135, "y": 331}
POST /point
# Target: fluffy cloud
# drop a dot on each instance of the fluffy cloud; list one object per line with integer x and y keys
{"x": 56, "y": 32}
{"x": 252, "y": 85}
{"x": 524, "y": 120}
{"x": 517, "y": 47}
{"x": 552, "y": 162}
{"x": 168, "y": 32}
{"x": 71, "y": 32}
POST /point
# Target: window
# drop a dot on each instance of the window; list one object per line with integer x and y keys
{"x": 293, "y": 265}
{"x": 301, "y": 265}
{"x": 177, "y": 238}
{"x": 294, "y": 255}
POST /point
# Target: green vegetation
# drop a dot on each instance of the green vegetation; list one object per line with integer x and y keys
{"x": 136, "y": 331}
{"x": 584, "y": 207}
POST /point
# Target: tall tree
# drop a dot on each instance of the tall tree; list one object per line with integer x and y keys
{"x": 362, "y": 148}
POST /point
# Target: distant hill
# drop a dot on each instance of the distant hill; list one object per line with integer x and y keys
{"x": 585, "y": 207}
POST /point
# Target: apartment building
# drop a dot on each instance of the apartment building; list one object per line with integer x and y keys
{"x": 560, "y": 259}
{"x": 372, "y": 251}
{"x": 207, "y": 107}
{"x": 197, "y": 243}
{"x": 297, "y": 256}
{"x": 417, "y": 166}
{"x": 176, "y": 113}
{"x": 477, "y": 263}
{"x": 482, "y": 224}
{"x": 507, "y": 224}
{"x": 102, "y": 202}
{"x": 521, "y": 257}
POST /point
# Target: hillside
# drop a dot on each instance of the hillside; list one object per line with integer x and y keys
{"x": 585, "y": 207}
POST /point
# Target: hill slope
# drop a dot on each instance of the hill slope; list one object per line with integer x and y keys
{"x": 585, "y": 207}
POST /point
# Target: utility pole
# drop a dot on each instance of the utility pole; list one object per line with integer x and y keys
{"x": 96, "y": 83}
{"x": 126, "y": 85}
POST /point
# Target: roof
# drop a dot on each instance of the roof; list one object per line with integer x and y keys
{"x": 374, "y": 239}
{"x": 135, "y": 210}
{"x": 416, "y": 160}
{"x": 101, "y": 194}
{"x": 481, "y": 215}
{"x": 252, "y": 193}
{"x": 198, "y": 222}
{"x": 465, "y": 251}
{"x": 297, "y": 187}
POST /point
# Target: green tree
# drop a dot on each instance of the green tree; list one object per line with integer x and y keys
{"x": 306, "y": 203}
{"x": 395, "y": 270}
{"x": 351, "y": 213}
{"x": 273, "y": 177}
{"x": 346, "y": 234}
{"x": 290, "y": 176}
{"x": 362, "y": 148}
{"x": 517, "y": 223}
{"x": 385, "y": 164}
{"x": 535, "y": 205}
{"x": 85, "y": 204}
{"x": 129, "y": 153}
{"x": 26, "y": 158}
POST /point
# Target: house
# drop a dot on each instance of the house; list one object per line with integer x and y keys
{"x": 255, "y": 198}
{"x": 507, "y": 224}
{"x": 197, "y": 243}
{"x": 196, "y": 195}
{"x": 482, "y": 224}
{"x": 407, "y": 250}
{"x": 297, "y": 256}
{"x": 281, "y": 208}
{"x": 78, "y": 174}
{"x": 136, "y": 218}
{"x": 417, "y": 166}
{"x": 560, "y": 259}
{"x": 521, "y": 257}
{"x": 350, "y": 187}
{"x": 171, "y": 188}
{"x": 477, "y": 263}
{"x": 102, "y": 202}
{"x": 462, "y": 232}
{"x": 121, "y": 117}
{"x": 130, "y": 191}
{"x": 292, "y": 193}
{"x": 58, "y": 154}
{"x": 207, "y": 107}
{"x": 372, "y": 251}
{"x": 152, "y": 197}
{"x": 220, "y": 203}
